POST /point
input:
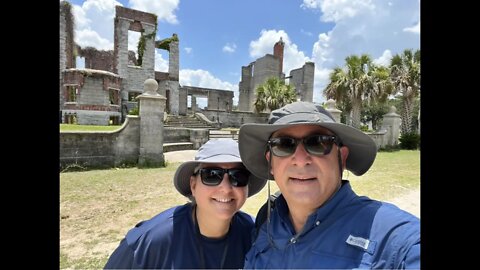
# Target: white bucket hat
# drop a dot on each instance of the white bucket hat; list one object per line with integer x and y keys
{"x": 214, "y": 151}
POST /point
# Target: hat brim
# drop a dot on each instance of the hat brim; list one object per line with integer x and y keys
{"x": 253, "y": 145}
{"x": 181, "y": 180}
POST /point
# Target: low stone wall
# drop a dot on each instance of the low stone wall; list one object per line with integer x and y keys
{"x": 101, "y": 149}
{"x": 108, "y": 149}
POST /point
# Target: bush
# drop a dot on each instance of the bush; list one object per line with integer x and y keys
{"x": 410, "y": 141}
{"x": 134, "y": 111}
{"x": 389, "y": 148}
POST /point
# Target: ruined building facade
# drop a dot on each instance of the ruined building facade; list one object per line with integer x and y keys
{"x": 105, "y": 90}
{"x": 259, "y": 71}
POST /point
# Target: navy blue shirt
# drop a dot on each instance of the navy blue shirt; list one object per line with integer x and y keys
{"x": 168, "y": 240}
{"x": 347, "y": 232}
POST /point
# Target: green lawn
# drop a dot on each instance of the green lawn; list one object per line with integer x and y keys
{"x": 71, "y": 127}
{"x": 98, "y": 207}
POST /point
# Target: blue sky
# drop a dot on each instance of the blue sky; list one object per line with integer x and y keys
{"x": 218, "y": 37}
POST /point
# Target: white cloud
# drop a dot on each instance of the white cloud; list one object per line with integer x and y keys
{"x": 98, "y": 15}
{"x": 188, "y": 50}
{"x": 203, "y": 78}
{"x": 160, "y": 63}
{"x": 229, "y": 48}
{"x": 165, "y": 9}
{"x": 413, "y": 29}
{"x": 307, "y": 33}
{"x": 94, "y": 19}
{"x": 89, "y": 38}
{"x": 384, "y": 60}
{"x": 374, "y": 27}
{"x": 337, "y": 10}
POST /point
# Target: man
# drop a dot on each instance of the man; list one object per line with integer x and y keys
{"x": 318, "y": 221}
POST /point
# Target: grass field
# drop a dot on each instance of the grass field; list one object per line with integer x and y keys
{"x": 98, "y": 207}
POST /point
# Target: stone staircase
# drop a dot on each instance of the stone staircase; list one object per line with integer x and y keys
{"x": 188, "y": 121}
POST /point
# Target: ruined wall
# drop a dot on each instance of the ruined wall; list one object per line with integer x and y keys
{"x": 67, "y": 44}
{"x": 128, "y": 19}
{"x": 62, "y": 55}
{"x": 101, "y": 59}
{"x": 278, "y": 52}
{"x": 265, "y": 67}
{"x": 235, "y": 118}
{"x": 173, "y": 77}
{"x": 302, "y": 79}
{"x": 92, "y": 105}
{"x": 244, "y": 88}
{"x": 217, "y": 99}
{"x": 255, "y": 74}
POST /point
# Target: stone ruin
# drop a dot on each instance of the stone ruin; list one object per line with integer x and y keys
{"x": 105, "y": 90}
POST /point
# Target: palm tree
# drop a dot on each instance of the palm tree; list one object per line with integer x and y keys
{"x": 359, "y": 80}
{"x": 405, "y": 75}
{"x": 273, "y": 94}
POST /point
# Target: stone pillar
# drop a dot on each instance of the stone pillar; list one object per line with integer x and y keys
{"x": 173, "y": 77}
{"x": 198, "y": 137}
{"x": 332, "y": 110}
{"x": 194, "y": 103}
{"x": 391, "y": 122}
{"x": 152, "y": 110}
{"x": 173, "y": 101}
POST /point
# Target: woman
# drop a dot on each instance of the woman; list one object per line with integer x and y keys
{"x": 209, "y": 231}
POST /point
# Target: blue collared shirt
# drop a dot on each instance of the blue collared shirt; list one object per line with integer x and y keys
{"x": 349, "y": 231}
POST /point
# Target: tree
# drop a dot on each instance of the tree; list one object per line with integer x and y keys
{"x": 405, "y": 75}
{"x": 374, "y": 112}
{"x": 273, "y": 94}
{"x": 359, "y": 80}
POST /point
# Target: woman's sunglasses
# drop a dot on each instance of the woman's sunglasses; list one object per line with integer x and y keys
{"x": 317, "y": 145}
{"x": 213, "y": 176}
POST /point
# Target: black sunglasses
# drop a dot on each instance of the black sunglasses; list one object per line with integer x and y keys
{"x": 213, "y": 176}
{"x": 317, "y": 145}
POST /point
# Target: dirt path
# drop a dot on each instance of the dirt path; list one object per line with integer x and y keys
{"x": 409, "y": 202}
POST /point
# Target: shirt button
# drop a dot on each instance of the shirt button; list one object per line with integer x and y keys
{"x": 317, "y": 223}
{"x": 293, "y": 240}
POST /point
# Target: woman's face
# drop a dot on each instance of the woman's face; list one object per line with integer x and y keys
{"x": 221, "y": 201}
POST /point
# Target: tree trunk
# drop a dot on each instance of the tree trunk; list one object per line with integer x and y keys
{"x": 406, "y": 125}
{"x": 356, "y": 108}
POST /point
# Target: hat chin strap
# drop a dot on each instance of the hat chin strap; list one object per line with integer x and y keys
{"x": 340, "y": 167}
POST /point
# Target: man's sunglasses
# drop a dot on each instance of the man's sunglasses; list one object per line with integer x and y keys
{"x": 214, "y": 176}
{"x": 317, "y": 145}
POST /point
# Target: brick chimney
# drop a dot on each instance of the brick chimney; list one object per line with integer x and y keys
{"x": 278, "y": 52}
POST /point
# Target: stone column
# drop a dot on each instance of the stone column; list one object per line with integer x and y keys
{"x": 391, "y": 122}
{"x": 152, "y": 110}
{"x": 173, "y": 87}
{"x": 193, "y": 102}
{"x": 173, "y": 77}
{"x": 332, "y": 110}
{"x": 198, "y": 137}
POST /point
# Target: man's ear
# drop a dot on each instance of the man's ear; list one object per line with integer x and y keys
{"x": 344, "y": 150}
{"x": 267, "y": 157}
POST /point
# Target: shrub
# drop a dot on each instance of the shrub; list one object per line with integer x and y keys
{"x": 389, "y": 148}
{"x": 134, "y": 111}
{"x": 409, "y": 141}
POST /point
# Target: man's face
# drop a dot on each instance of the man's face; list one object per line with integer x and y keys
{"x": 306, "y": 180}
